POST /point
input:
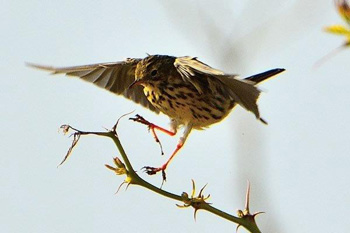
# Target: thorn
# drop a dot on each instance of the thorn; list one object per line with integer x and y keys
{"x": 237, "y": 227}
{"x": 246, "y": 212}
{"x": 257, "y": 213}
{"x": 127, "y": 186}
{"x": 114, "y": 128}
{"x": 181, "y": 206}
{"x": 208, "y": 198}
{"x": 120, "y": 187}
{"x": 195, "y": 214}
{"x": 200, "y": 192}
{"x": 110, "y": 167}
{"x": 247, "y": 197}
{"x": 193, "y": 188}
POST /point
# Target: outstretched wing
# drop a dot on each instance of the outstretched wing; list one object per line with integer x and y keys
{"x": 243, "y": 92}
{"x": 115, "y": 77}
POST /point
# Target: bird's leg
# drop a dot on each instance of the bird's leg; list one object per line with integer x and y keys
{"x": 152, "y": 170}
{"x": 152, "y": 127}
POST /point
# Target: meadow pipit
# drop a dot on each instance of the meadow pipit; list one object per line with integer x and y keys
{"x": 191, "y": 93}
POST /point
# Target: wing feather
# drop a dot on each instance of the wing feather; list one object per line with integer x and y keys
{"x": 113, "y": 76}
{"x": 188, "y": 67}
{"x": 203, "y": 76}
{"x": 244, "y": 93}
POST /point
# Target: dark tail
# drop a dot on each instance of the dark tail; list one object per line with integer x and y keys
{"x": 257, "y": 78}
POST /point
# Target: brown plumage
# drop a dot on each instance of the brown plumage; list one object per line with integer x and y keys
{"x": 190, "y": 92}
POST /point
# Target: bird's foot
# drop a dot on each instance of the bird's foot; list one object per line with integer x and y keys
{"x": 151, "y": 128}
{"x": 154, "y": 170}
{"x": 141, "y": 120}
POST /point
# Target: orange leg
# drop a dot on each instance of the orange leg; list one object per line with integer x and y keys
{"x": 172, "y": 132}
{"x": 152, "y": 128}
{"x": 152, "y": 170}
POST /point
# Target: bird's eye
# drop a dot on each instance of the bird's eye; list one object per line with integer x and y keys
{"x": 154, "y": 73}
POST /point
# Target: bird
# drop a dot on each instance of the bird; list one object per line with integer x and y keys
{"x": 191, "y": 93}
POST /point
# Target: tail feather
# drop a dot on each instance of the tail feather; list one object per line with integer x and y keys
{"x": 257, "y": 78}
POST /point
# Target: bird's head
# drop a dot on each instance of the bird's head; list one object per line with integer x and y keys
{"x": 153, "y": 69}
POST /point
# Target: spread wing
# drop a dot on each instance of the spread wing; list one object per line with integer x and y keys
{"x": 201, "y": 76}
{"x": 115, "y": 77}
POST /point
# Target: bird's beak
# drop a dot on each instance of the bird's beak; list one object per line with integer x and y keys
{"x": 136, "y": 82}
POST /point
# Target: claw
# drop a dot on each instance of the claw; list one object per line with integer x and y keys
{"x": 140, "y": 119}
{"x": 151, "y": 128}
{"x": 153, "y": 171}
{"x": 163, "y": 176}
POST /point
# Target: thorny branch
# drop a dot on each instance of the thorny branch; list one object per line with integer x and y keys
{"x": 244, "y": 218}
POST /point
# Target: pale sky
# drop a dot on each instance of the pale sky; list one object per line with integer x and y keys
{"x": 298, "y": 165}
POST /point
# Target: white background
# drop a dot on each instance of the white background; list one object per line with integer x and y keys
{"x": 298, "y": 165}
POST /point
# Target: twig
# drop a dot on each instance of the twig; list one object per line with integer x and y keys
{"x": 244, "y": 219}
